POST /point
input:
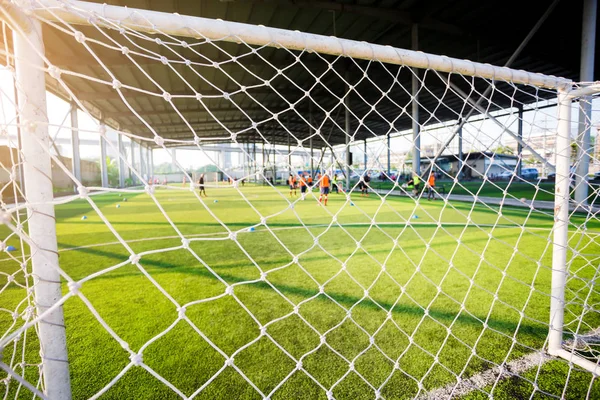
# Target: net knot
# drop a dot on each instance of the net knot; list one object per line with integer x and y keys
{"x": 322, "y": 339}
{"x": 232, "y": 235}
{"x": 199, "y": 96}
{"x": 83, "y": 192}
{"x": 74, "y": 287}
{"x": 134, "y": 258}
{"x": 263, "y": 276}
{"x": 296, "y": 309}
{"x": 229, "y": 290}
{"x": 263, "y": 330}
{"x": 166, "y": 96}
{"x": 197, "y": 140}
{"x": 54, "y": 72}
{"x": 159, "y": 140}
{"x": 351, "y": 366}
{"x": 185, "y": 243}
{"x": 295, "y": 260}
{"x": 188, "y": 63}
{"x": 116, "y": 84}
{"x": 164, "y": 60}
{"x": 299, "y": 365}
{"x": 125, "y": 50}
{"x": 181, "y": 312}
{"x": 229, "y": 362}
{"x": 136, "y": 359}
{"x": 5, "y": 217}
{"x": 149, "y": 189}
{"x": 79, "y": 36}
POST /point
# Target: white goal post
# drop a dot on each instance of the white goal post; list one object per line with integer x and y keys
{"x": 32, "y": 68}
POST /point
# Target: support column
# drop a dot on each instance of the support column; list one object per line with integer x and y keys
{"x": 289, "y": 146}
{"x": 415, "y": 107}
{"x": 310, "y": 140}
{"x": 520, "y": 136}
{"x": 348, "y": 128}
{"x": 41, "y": 221}
{"x": 561, "y": 224}
{"x": 76, "y": 159}
{"x": 365, "y": 155}
{"x": 389, "y": 155}
{"x": 122, "y": 154}
{"x": 148, "y": 164}
{"x": 460, "y": 148}
{"x": 151, "y": 158}
{"x": 103, "y": 166}
{"x": 142, "y": 166}
{"x": 588, "y": 43}
{"x": 132, "y": 149}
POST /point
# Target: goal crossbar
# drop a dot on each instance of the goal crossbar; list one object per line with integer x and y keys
{"x": 77, "y": 12}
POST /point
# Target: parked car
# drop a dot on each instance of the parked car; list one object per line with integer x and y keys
{"x": 529, "y": 173}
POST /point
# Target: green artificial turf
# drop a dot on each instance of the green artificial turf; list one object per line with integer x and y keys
{"x": 430, "y": 283}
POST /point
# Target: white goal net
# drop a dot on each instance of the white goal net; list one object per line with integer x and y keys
{"x": 367, "y": 221}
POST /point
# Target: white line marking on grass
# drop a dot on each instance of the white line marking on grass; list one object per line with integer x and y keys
{"x": 244, "y": 230}
{"x": 488, "y": 377}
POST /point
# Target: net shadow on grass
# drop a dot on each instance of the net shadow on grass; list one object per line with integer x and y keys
{"x": 535, "y": 331}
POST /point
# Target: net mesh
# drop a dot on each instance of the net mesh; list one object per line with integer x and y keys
{"x": 390, "y": 288}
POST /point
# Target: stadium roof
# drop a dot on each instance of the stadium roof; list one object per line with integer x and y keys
{"x": 483, "y": 31}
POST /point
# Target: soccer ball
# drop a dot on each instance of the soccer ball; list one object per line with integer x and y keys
{"x": 125, "y": 199}
{"x": 84, "y": 217}
{"x": 252, "y": 229}
{"x": 118, "y": 205}
{"x": 11, "y": 248}
{"x": 216, "y": 201}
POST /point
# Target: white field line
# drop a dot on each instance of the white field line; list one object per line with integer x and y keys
{"x": 245, "y": 230}
{"x": 513, "y": 368}
{"x": 488, "y": 377}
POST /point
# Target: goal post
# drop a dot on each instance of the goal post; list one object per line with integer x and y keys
{"x": 433, "y": 287}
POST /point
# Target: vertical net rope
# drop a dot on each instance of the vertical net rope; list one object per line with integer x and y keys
{"x": 254, "y": 292}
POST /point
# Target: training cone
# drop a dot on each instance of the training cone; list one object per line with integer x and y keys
{"x": 10, "y": 248}
{"x": 84, "y": 217}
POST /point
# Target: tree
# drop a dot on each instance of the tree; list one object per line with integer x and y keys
{"x": 503, "y": 150}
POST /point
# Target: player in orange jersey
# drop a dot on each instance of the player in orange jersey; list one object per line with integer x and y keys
{"x": 325, "y": 185}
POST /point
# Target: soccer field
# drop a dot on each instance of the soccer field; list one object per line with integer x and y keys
{"x": 334, "y": 315}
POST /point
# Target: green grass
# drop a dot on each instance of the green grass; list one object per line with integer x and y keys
{"x": 403, "y": 302}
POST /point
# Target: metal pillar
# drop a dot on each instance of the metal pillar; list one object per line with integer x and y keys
{"x": 76, "y": 159}
{"x": 142, "y": 166}
{"x": 289, "y": 146}
{"x": 41, "y": 222}
{"x": 415, "y": 107}
{"x": 347, "y": 127}
{"x": 588, "y": 43}
{"x": 310, "y": 140}
{"x": 151, "y": 161}
{"x": 389, "y": 156}
{"x": 561, "y": 218}
{"x": 365, "y": 154}
{"x": 132, "y": 149}
{"x": 122, "y": 154}
{"x": 460, "y": 147}
{"x": 149, "y": 164}
{"x": 520, "y": 136}
{"x": 103, "y": 166}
